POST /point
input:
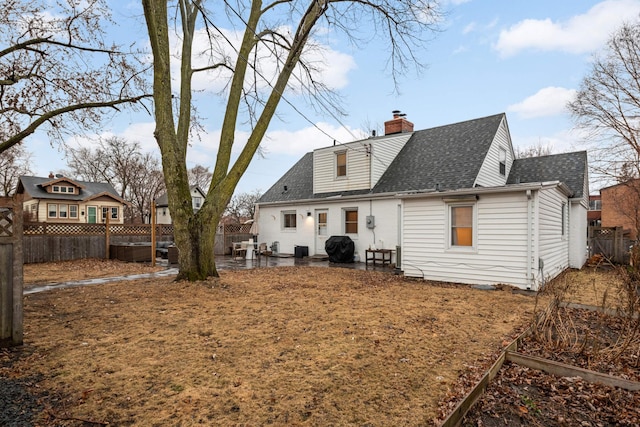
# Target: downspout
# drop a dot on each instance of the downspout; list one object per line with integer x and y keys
{"x": 530, "y": 278}
{"x": 373, "y": 230}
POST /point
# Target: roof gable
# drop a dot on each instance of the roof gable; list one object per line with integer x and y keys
{"x": 62, "y": 179}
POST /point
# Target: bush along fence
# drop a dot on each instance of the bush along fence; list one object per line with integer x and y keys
{"x": 46, "y": 242}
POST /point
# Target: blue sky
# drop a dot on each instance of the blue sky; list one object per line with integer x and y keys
{"x": 524, "y": 58}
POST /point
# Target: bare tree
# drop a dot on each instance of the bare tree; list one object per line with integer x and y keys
{"x": 111, "y": 161}
{"x": 200, "y": 176}
{"x": 252, "y": 93}
{"x": 14, "y": 163}
{"x": 242, "y": 207}
{"x": 608, "y": 106}
{"x": 57, "y": 68}
{"x": 535, "y": 150}
{"x": 135, "y": 175}
{"x": 146, "y": 185}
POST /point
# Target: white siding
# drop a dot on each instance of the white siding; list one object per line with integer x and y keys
{"x": 489, "y": 174}
{"x": 163, "y": 215}
{"x": 578, "y": 227}
{"x": 553, "y": 245}
{"x": 358, "y": 169}
{"x": 383, "y": 151}
{"x": 578, "y": 235}
{"x": 500, "y": 252}
{"x": 384, "y": 235}
{"x": 367, "y": 161}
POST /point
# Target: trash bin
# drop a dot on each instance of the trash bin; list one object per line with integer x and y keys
{"x": 301, "y": 251}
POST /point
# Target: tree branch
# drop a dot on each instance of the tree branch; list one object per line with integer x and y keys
{"x": 18, "y": 137}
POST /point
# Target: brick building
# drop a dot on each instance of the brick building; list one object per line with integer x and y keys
{"x": 620, "y": 206}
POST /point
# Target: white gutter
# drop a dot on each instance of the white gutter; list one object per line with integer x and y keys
{"x": 425, "y": 193}
{"x": 530, "y": 278}
{"x": 487, "y": 190}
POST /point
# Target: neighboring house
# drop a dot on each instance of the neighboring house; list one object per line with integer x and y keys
{"x": 621, "y": 207}
{"x": 453, "y": 199}
{"x": 594, "y": 216}
{"x": 60, "y": 199}
{"x": 163, "y": 216}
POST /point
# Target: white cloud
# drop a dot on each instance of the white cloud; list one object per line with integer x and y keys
{"x": 141, "y": 133}
{"x": 469, "y": 28}
{"x": 331, "y": 67}
{"x": 549, "y": 101}
{"x": 301, "y": 141}
{"x": 579, "y": 34}
{"x": 564, "y": 141}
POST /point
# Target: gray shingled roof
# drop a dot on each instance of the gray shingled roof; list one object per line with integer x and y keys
{"x": 31, "y": 186}
{"x": 298, "y": 182}
{"x": 569, "y": 168}
{"x": 448, "y": 156}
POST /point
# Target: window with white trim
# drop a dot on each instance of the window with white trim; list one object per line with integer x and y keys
{"x": 461, "y": 225}
{"x": 289, "y": 220}
{"x": 61, "y": 210}
{"x": 503, "y": 161}
{"x": 52, "y": 210}
{"x": 113, "y": 211}
{"x": 63, "y": 189}
{"x": 351, "y": 221}
{"x": 341, "y": 164}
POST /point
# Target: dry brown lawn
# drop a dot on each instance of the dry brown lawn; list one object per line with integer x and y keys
{"x": 280, "y": 346}
{"x": 67, "y": 271}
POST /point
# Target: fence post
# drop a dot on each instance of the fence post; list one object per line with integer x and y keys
{"x": 11, "y": 309}
{"x": 107, "y": 236}
{"x": 153, "y": 234}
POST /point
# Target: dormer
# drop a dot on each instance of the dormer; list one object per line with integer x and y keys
{"x": 359, "y": 165}
{"x": 62, "y": 185}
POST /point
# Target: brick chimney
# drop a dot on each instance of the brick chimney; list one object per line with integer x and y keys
{"x": 398, "y": 124}
{"x": 51, "y": 175}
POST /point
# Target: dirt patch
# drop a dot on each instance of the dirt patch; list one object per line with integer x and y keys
{"x": 605, "y": 339}
{"x": 279, "y": 346}
{"x": 67, "y": 271}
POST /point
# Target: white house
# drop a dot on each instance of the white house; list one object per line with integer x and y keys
{"x": 163, "y": 216}
{"x": 451, "y": 201}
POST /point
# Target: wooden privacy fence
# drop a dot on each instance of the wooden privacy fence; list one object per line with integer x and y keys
{"x": 609, "y": 242}
{"x": 227, "y": 234}
{"x": 11, "y": 315}
{"x": 46, "y": 242}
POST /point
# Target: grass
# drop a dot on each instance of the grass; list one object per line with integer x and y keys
{"x": 281, "y": 346}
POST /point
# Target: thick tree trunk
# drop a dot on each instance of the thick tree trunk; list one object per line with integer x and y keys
{"x": 195, "y": 243}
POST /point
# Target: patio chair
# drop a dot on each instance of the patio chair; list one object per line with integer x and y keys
{"x": 260, "y": 250}
{"x": 239, "y": 250}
